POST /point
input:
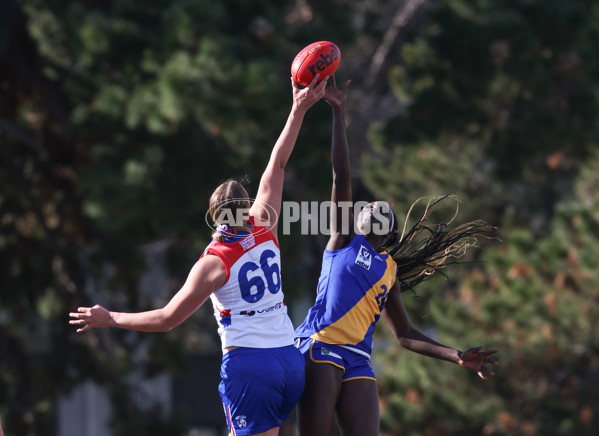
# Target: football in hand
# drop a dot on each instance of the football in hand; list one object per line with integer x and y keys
{"x": 322, "y": 57}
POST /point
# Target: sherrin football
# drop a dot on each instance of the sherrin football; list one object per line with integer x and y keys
{"x": 322, "y": 57}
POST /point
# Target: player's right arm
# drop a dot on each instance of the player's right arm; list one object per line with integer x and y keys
{"x": 341, "y": 219}
{"x": 207, "y": 275}
{"x": 270, "y": 190}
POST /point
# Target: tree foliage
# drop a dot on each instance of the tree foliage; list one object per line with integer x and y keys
{"x": 501, "y": 107}
{"x": 118, "y": 118}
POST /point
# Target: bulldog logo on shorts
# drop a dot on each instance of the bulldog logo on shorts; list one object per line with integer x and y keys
{"x": 241, "y": 422}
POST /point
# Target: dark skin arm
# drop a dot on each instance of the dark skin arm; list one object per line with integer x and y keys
{"x": 342, "y": 229}
{"x": 411, "y": 339}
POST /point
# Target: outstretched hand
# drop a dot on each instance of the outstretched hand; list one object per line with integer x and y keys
{"x": 90, "y": 317}
{"x": 334, "y": 96}
{"x": 305, "y": 98}
{"x": 476, "y": 360}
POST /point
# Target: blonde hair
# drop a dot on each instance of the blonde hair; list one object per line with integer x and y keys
{"x": 230, "y": 197}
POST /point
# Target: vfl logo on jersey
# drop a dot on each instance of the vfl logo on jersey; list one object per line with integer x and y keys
{"x": 364, "y": 258}
{"x": 247, "y": 243}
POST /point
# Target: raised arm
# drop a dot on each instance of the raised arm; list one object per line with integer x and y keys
{"x": 205, "y": 276}
{"x": 270, "y": 191}
{"x": 411, "y": 339}
{"x": 341, "y": 219}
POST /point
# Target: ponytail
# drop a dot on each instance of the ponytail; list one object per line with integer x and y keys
{"x": 229, "y": 196}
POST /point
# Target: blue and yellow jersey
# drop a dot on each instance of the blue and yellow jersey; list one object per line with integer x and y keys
{"x": 352, "y": 290}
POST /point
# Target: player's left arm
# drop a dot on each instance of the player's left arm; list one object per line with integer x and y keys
{"x": 411, "y": 339}
{"x": 270, "y": 191}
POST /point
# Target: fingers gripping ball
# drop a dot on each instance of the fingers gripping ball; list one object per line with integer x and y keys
{"x": 322, "y": 57}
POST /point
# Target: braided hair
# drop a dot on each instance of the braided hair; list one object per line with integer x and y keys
{"x": 424, "y": 249}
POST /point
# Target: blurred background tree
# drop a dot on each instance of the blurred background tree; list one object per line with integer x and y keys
{"x": 500, "y": 106}
{"x": 118, "y": 119}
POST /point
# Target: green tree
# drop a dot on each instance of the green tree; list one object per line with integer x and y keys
{"x": 117, "y": 119}
{"x": 536, "y": 300}
{"x": 501, "y": 107}
{"x": 494, "y": 91}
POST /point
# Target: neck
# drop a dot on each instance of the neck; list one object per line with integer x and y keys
{"x": 376, "y": 242}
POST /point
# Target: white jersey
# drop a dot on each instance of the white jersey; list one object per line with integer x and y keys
{"x": 249, "y": 307}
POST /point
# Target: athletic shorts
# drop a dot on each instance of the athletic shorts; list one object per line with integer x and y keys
{"x": 354, "y": 365}
{"x": 260, "y": 387}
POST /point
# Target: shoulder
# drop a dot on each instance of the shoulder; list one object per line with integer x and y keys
{"x": 210, "y": 268}
{"x": 209, "y": 260}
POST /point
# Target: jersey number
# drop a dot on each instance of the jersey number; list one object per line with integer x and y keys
{"x": 252, "y": 289}
{"x": 381, "y": 298}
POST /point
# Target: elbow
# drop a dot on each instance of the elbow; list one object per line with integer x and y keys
{"x": 170, "y": 324}
{"x": 167, "y": 322}
{"x": 282, "y": 163}
{"x": 167, "y": 327}
{"x": 404, "y": 342}
{"x": 274, "y": 169}
{"x": 404, "y": 336}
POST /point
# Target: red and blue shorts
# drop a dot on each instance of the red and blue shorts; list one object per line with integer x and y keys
{"x": 260, "y": 387}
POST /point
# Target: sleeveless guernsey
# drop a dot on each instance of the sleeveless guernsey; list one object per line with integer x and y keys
{"x": 249, "y": 307}
{"x": 352, "y": 291}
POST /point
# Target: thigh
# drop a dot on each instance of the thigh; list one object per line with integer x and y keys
{"x": 358, "y": 408}
{"x": 316, "y": 409}
{"x": 293, "y": 364}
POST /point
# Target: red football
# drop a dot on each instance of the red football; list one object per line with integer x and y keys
{"x": 322, "y": 57}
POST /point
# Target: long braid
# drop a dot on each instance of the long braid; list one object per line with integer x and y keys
{"x": 425, "y": 250}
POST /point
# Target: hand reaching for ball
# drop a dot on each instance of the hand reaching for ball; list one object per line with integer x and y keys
{"x": 334, "y": 96}
{"x": 305, "y": 98}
